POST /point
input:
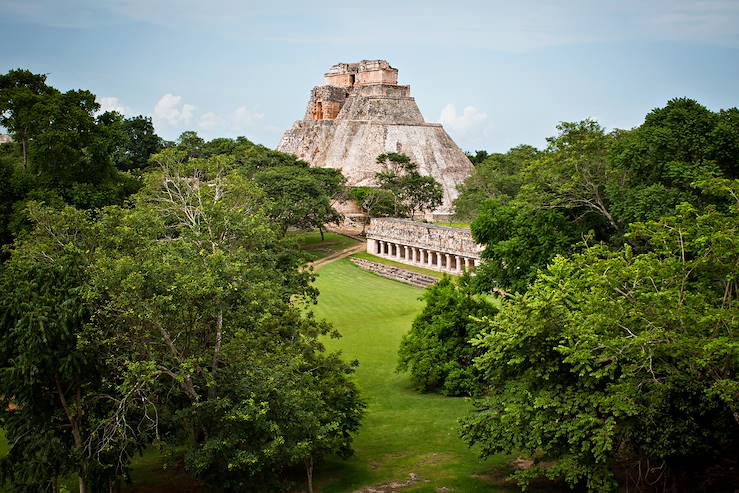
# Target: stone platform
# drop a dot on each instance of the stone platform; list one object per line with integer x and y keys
{"x": 361, "y": 113}
{"x": 394, "y": 273}
{"x": 423, "y": 244}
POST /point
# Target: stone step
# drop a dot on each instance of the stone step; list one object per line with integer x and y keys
{"x": 395, "y": 273}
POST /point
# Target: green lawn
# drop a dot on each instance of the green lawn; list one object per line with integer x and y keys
{"x": 392, "y": 263}
{"x": 3, "y": 444}
{"x": 310, "y": 241}
{"x": 404, "y": 431}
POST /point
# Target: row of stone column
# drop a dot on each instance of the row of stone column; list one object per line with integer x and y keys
{"x": 422, "y": 257}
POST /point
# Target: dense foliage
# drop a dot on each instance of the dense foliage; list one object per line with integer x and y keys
{"x": 401, "y": 190}
{"x": 436, "y": 351}
{"x": 64, "y": 151}
{"x": 622, "y": 360}
{"x": 613, "y": 359}
{"x": 177, "y": 319}
{"x": 590, "y": 185}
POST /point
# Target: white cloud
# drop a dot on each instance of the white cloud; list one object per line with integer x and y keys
{"x": 470, "y": 128}
{"x": 170, "y": 111}
{"x": 111, "y": 103}
{"x": 469, "y": 120}
{"x": 209, "y": 121}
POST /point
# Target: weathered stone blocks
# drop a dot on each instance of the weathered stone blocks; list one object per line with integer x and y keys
{"x": 375, "y": 116}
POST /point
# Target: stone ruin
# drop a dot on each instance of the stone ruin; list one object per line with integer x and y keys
{"x": 362, "y": 112}
{"x": 422, "y": 244}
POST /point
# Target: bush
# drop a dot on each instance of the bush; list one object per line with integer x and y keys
{"x": 436, "y": 351}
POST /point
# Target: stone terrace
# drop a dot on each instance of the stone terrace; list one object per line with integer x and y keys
{"x": 423, "y": 244}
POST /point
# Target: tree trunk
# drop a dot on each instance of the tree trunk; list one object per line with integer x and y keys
{"x": 73, "y": 417}
{"x": 24, "y": 145}
{"x": 83, "y": 483}
{"x": 217, "y": 349}
{"x": 309, "y": 473}
{"x": 320, "y": 230}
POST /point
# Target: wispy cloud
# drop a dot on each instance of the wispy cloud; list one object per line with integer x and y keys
{"x": 209, "y": 121}
{"x": 496, "y": 24}
{"x": 171, "y": 111}
{"x": 470, "y": 128}
{"x": 112, "y": 103}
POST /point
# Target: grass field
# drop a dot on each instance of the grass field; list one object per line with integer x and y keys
{"x": 3, "y": 444}
{"x": 310, "y": 241}
{"x": 404, "y": 431}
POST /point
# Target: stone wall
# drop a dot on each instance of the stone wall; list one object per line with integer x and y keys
{"x": 424, "y": 245}
{"x": 325, "y": 103}
{"x": 431, "y": 236}
{"x": 394, "y": 273}
{"x": 366, "y": 72}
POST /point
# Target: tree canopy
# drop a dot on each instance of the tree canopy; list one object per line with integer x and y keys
{"x": 180, "y": 320}
{"x": 621, "y": 361}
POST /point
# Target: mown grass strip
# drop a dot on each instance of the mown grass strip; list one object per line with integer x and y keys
{"x": 404, "y": 431}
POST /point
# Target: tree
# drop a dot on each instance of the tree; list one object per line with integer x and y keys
{"x": 412, "y": 193}
{"x": 53, "y": 360}
{"x": 299, "y": 198}
{"x": 20, "y": 93}
{"x": 621, "y": 361}
{"x": 167, "y": 319}
{"x": 497, "y": 177}
{"x": 519, "y": 241}
{"x": 574, "y": 172}
{"x": 141, "y": 142}
{"x": 212, "y": 300}
{"x": 436, "y": 352}
{"x": 478, "y": 157}
{"x": 724, "y": 142}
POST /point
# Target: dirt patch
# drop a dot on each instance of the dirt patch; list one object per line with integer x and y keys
{"x": 338, "y": 255}
{"x": 391, "y": 487}
{"x": 435, "y": 458}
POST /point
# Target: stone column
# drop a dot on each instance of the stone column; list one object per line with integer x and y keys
{"x": 466, "y": 263}
{"x": 416, "y": 255}
{"x": 371, "y": 245}
{"x": 397, "y": 250}
{"x": 447, "y": 257}
{"x": 457, "y": 263}
{"x": 405, "y": 253}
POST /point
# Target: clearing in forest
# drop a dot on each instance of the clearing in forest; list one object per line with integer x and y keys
{"x": 404, "y": 432}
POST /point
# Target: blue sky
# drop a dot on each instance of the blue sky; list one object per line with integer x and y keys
{"x": 495, "y": 73}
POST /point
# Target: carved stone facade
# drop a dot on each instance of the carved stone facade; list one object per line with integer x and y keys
{"x": 5, "y": 139}
{"x": 362, "y": 112}
{"x": 426, "y": 245}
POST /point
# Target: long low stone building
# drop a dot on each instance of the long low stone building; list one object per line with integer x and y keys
{"x": 422, "y": 244}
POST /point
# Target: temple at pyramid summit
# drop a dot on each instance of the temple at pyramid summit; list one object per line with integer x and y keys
{"x": 362, "y": 112}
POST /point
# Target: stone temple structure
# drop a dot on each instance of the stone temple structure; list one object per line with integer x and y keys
{"x": 362, "y": 112}
{"x": 422, "y": 244}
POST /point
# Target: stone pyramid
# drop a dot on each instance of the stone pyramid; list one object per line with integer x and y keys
{"x": 361, "y": 113}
